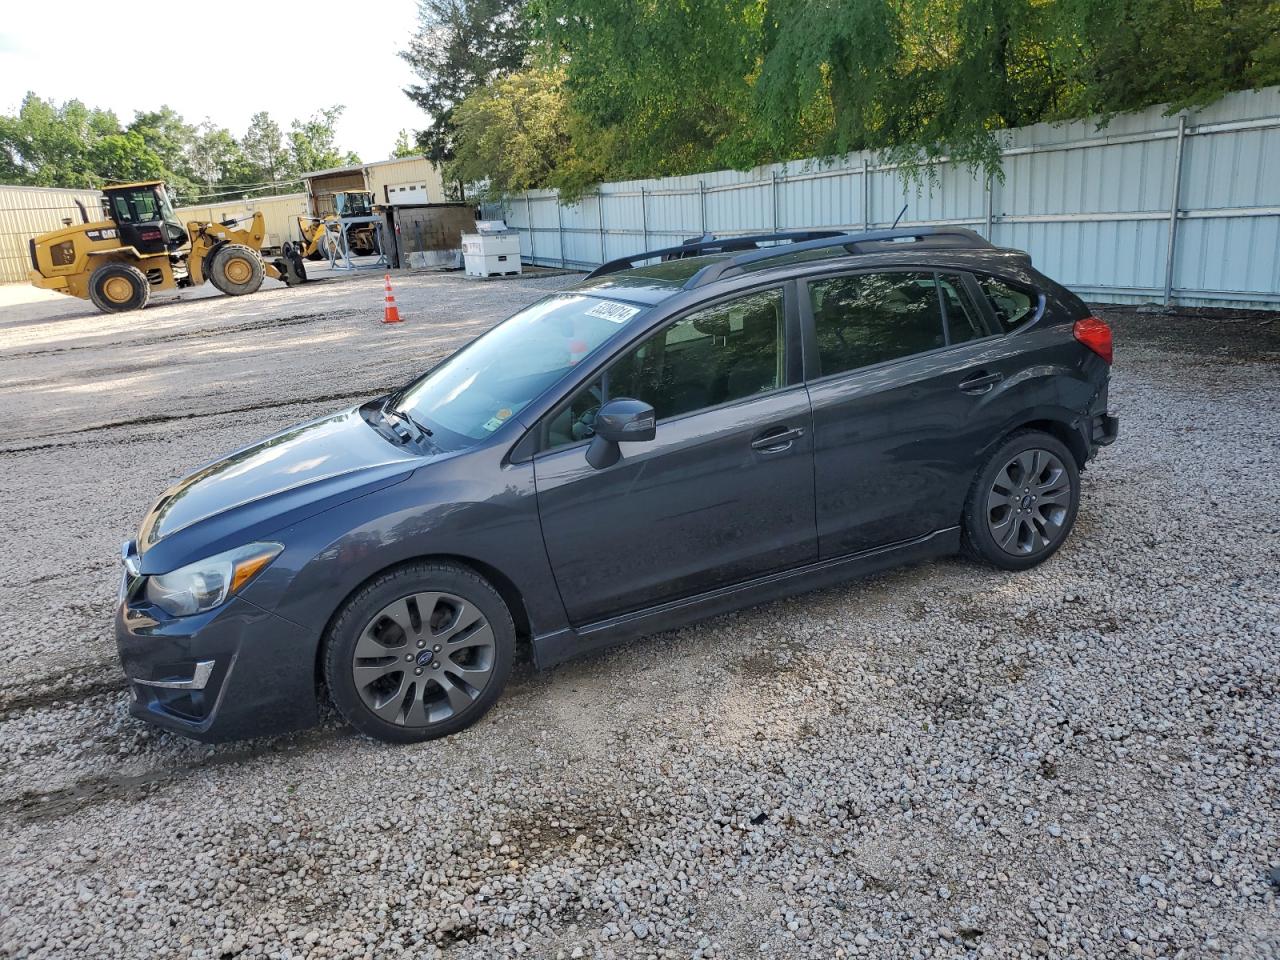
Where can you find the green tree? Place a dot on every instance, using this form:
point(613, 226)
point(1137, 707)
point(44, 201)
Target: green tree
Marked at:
point(49, 145)
point(312, 142)
point(169, 138)
point(906, 77)
point(405, 146)
point(519, 132)
point(125, 157)
point(267, 158)
point(217, 162)
point(684, 86)
point(670, 82)
point(1128, 54)
point(460, 46)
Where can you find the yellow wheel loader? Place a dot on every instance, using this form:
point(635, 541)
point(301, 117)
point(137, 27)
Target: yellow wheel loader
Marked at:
point(321, 236)
point(140, 246)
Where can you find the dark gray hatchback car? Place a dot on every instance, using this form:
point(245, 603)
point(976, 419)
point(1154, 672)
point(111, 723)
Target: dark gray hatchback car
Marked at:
point(739, 420)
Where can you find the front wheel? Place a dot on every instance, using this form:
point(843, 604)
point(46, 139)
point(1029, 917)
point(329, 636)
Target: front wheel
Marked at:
point(235, 269)
point(1023, 502)
point(419, 653)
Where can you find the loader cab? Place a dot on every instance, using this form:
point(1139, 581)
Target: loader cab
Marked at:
point(144, 216)
point(353, 203)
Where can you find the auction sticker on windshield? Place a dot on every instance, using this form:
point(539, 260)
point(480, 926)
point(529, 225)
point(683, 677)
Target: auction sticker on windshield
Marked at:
point(613, 312)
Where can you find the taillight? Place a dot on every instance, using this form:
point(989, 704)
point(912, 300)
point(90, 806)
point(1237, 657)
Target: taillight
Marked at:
point(1096, 335)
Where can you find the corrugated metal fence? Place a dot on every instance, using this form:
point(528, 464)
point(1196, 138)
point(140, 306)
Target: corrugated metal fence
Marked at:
point(1182, 209)
point(28, 211)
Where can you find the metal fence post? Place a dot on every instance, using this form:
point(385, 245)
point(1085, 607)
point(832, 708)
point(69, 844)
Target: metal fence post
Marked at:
point(702, 207)
point(600, 218)
point(1173, 209)
point(866, 194)
point(528, 219)
point(644, 220)
point(989, 203)
point(773, 197)
point(560, 228)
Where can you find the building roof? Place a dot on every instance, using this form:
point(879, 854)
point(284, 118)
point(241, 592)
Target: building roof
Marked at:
point(360, 167)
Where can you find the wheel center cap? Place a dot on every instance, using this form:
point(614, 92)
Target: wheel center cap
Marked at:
point(1026, 502)
point(424, 658)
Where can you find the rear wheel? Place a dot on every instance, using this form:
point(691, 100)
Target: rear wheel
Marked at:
point(116, 287)
point(419, 653)
point(329, 248)
point(1023, 503)
point(235, 269)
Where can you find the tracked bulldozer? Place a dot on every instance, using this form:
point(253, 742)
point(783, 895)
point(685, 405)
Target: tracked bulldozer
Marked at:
point(139, 246)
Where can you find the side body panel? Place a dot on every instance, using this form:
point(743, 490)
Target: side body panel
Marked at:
point(693, 509)
point(897, 444)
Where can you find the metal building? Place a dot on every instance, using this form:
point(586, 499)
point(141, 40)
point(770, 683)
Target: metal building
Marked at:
point(403, 182)
point(26, 212)
point(280, 213)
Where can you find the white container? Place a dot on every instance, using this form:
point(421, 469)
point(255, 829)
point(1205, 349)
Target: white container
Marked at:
point(494, 254)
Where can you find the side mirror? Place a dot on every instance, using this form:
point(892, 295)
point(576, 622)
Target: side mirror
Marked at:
point(619, 421)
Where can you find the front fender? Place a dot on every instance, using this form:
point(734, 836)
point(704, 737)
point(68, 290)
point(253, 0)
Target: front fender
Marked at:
point(444, 509)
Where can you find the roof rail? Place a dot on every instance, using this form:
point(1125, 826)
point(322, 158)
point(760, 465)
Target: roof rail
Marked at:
point(711, 244)
point(870, 241)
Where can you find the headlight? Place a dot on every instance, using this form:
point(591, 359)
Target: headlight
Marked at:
point(202, 585)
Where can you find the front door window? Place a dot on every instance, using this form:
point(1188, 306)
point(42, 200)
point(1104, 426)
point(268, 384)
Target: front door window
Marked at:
point(718, 355)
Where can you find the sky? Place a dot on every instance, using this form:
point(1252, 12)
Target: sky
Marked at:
point(222, 61)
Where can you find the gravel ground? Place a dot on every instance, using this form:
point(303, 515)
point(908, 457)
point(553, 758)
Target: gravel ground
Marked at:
point(1080, 761)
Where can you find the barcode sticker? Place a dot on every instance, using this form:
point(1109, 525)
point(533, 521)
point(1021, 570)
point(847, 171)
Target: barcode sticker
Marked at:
point(613, 312)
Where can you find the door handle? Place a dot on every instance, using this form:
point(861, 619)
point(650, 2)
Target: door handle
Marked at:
point(981, 382)
point(777, 439)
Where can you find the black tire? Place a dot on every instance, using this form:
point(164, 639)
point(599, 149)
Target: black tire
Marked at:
point(295, 266)
point(1023, 502)
point(236, 269)
point(117, 287)
point(352, 630)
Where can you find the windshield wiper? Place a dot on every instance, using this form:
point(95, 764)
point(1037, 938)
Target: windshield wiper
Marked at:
point(392, 415)
point(425, 431)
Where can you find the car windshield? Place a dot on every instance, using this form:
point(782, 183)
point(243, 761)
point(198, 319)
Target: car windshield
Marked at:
point(473, 393)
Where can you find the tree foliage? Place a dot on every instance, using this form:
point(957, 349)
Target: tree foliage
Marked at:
point(312, 143)
point(71, 145)
point(520, 133)
point(460, 46)
point(266, 156)
point(406, 145)
point(654, 88)
point(48, 145)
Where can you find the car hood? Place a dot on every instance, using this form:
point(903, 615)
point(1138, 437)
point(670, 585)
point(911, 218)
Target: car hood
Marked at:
point(312, 463)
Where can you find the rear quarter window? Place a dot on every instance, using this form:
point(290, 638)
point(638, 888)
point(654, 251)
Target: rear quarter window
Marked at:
point(1013, 305)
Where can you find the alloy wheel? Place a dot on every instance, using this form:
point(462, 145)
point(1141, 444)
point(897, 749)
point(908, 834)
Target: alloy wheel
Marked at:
point(423, 659)
point(1028, 503)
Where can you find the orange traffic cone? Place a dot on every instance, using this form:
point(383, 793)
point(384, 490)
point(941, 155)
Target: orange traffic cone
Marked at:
point(390, 314)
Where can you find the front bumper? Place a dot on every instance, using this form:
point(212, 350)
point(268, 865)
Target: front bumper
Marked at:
point(234, 672)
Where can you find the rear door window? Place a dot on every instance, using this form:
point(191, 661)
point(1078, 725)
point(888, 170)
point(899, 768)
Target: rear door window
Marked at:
point(963, 321)
point(868, 318)
point(1013, 305)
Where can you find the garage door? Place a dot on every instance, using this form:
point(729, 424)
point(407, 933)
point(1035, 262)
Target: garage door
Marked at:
point(402, 193)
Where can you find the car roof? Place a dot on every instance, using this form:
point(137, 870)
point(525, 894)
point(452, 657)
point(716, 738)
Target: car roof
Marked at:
point(649, 284)
point(701, 263)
